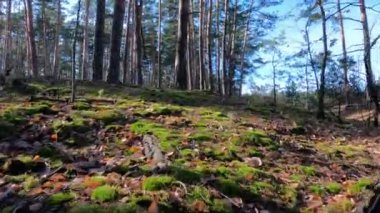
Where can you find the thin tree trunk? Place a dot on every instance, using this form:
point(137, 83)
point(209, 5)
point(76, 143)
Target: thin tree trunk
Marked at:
point(99, 40)
point(345, 60)
point(8, 42)
point(189, 60)
point(274, 71)
point(159, 46)
point(231, 73)
point(138, 42)
point(321, 93)
point(85, 42)
point(73, 66)
point(201, 48)
point(117, 33)
point(192, 82)
point(47, 70)
point(244, 47)
point(312, 64)
point(127, 43)
point(224, 48)
point(30, 33)
point(209, 46)
point(180, 59)
point(56, 57)
point(368, 63)
point(218, 49)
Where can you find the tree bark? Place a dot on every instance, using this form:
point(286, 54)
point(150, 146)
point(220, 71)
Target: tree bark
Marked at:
point(180, 59)
point(368, 63)
point(224, 48)
point(47, 70)
point(345, 59)
point(231, 73)
point(138, 42)
point(85, 42)
point(244, 47)
point(209, 47)
point(117, 33)
point(8, 41)
point(98, 43)
point(201, 47)
point(321, 93)
point(218, 49)
point(73, 65)
point(127, 44)
point(31, 40)
point(159, 85)
point(56, 57)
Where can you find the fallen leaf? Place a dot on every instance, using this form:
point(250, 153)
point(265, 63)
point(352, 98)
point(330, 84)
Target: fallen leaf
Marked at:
point(199, 206)
point(54, 137)
point(153, 208)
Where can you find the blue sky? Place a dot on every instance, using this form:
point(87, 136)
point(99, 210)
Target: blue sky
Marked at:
point(291, 27)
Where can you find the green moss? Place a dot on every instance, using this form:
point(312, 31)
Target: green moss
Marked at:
point(316, 189)
point(223, 171)
point(289, 195)
point(13, 116)
point(343, 206)
point(76, 123)
point(200, 193)
point(255, 137)
point(220, 206)
point(154, 183)
point(163, 110)
point(81, 105)
point(258, 187)
point(104, 193)
point(107, 116)
point(186, 152)
point(359, 186)
point(61, 197)
point(309, 170)
point(201, 136)
point(30, 182)
point(15, 179)
point(229, 187)
point(333, 187)
point(243, 170)
point(185, 175)
point(296, 178)
point(169, 138)
point(41, 108)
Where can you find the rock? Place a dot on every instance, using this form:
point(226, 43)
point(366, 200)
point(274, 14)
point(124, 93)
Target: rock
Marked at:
point(253, 161)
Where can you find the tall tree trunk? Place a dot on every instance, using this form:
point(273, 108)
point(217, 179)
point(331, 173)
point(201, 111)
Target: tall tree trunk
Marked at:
point(8, 41)
point(231, 73)
point(372, 90)
point(127, 44)
point(180, 58)
point(345, 60)
point(244, 47)
point(218, 49)
point(138, 42)
point(224, 48)
point(201, 48)
point(193, 81)
point(274, 71)
point(189, 59)
point(117, 33)
point(47, 70)
point(159, 85)
point(31, 41)
point(97, 65)
point(312, 63)
point(56, 57)
point(321, 93)
point(74, 49)
point(209, 45)
point(85, 41)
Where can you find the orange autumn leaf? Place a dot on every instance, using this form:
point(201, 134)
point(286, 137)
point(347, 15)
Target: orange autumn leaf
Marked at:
point(57, 178)
point(54, 137)
point(37, 157)
point(153, 208)
point(199, 206)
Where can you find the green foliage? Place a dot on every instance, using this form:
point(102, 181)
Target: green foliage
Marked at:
point(221, 206)
point(81, 105)
point(30, 182)
point(258, 187)
point(255, 137)
point(360, 185)
point(229, 187)
point(316, 189)
point(333, 187)
point(185, 175)
point(61, 197)
point(169, 138)
point(104, 193)
point(107, 116)
point(340, 206)
point(155, 183)
point(309, 170)
point(200, 193)
point(201, 136)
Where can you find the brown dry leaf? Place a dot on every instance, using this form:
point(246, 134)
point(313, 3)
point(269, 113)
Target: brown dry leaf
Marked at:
point(199, 206)
point(58, 187)
point(36, 158)
point(113, 178)
point(153, 208)
point(57, 178)
point(54, 137)
point(35, 192)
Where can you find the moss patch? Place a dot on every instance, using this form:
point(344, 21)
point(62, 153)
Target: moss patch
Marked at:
point(155, 183)
point(61, 197)
point(333, 187)
point(104, 193)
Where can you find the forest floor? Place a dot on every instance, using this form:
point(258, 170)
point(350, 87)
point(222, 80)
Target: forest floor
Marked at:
point(218, 155)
